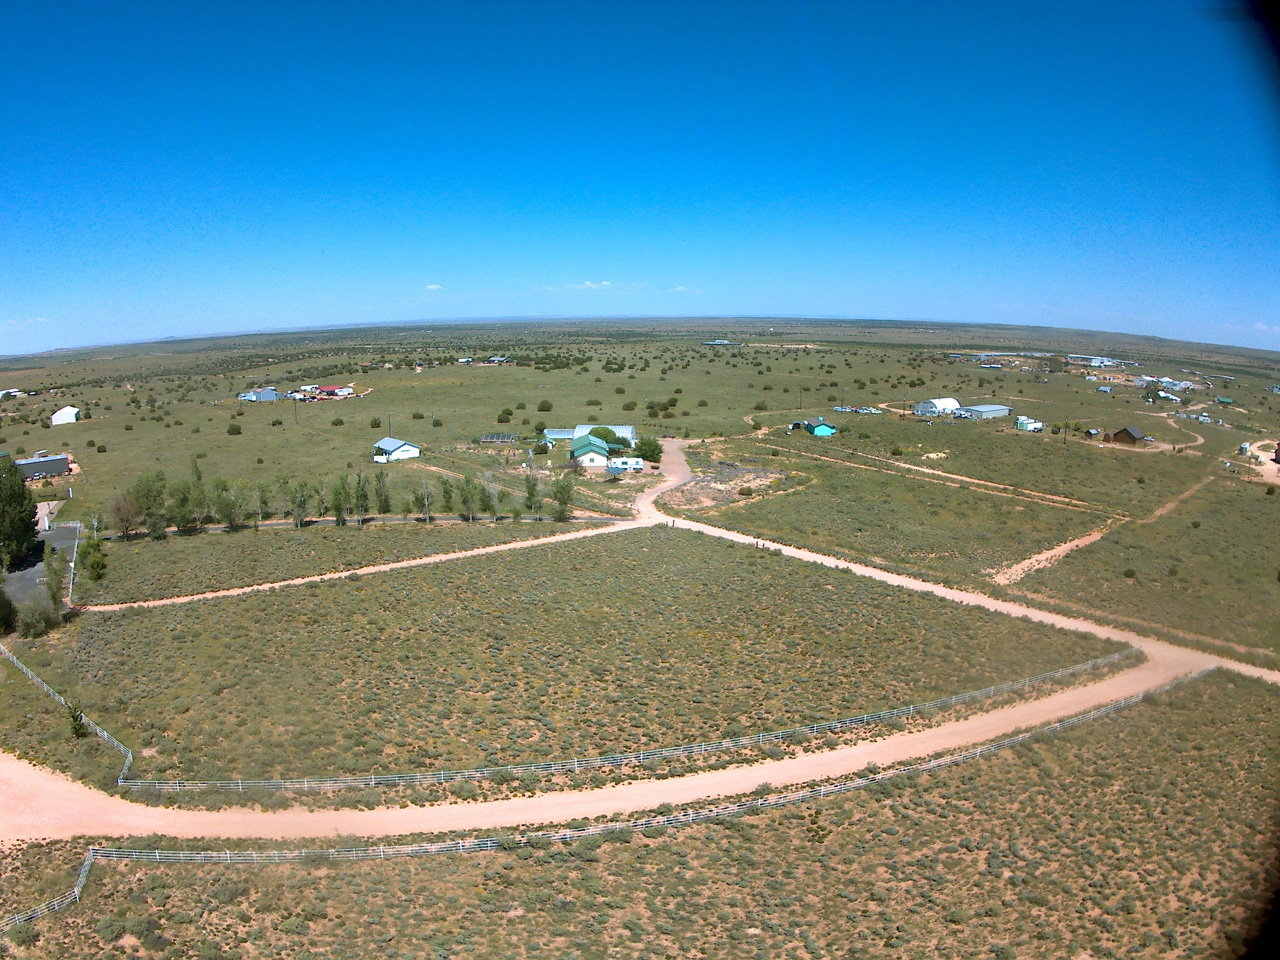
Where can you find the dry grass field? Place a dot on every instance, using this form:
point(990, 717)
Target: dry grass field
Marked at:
point(519, 657)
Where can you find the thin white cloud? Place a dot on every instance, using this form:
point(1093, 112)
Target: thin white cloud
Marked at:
point(587, 285)
point(432, 286)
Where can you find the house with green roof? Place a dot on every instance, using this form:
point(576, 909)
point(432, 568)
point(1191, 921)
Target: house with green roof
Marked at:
point(589, 451)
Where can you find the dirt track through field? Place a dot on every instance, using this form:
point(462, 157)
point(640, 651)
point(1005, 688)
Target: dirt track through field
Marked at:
point(1047, 558)
point(39, 803)
point(1042, 561)
point(955, 480)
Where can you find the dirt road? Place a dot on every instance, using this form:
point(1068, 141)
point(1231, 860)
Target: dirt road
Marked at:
point(1041, 561)
point(39, 803)
point(1047, 558)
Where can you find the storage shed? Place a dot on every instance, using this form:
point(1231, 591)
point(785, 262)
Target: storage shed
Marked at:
point(64, 416)
point(986, 411)
point(389, 448)
point(1127, 435)
point(937, 407)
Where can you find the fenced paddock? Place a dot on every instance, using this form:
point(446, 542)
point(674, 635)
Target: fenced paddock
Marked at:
point(577, 764)
point(482, 844)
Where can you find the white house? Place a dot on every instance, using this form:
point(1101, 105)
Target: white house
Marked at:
point(65, 415)
point(634, 464)
point(937, 407)
point(389, 448)
point(985, 411)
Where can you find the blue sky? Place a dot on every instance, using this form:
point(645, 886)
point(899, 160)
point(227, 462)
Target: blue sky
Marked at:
point(178, 169)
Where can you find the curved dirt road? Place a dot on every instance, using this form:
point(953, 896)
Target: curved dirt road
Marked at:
point(39, 803)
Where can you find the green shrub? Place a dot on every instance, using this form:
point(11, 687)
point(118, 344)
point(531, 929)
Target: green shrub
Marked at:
point(109, 929)
point(233, 429)
point(140, 927)
point(37, 618)
point(336, 422)
point(375, 423)
point(1130, 573)
point(465, 790)
point(23, 935)
point(544, 406)
point(8, 613)
point(417, 415)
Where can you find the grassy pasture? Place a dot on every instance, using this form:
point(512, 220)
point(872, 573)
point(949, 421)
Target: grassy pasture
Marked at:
point(1209, 566)
point(1101, 476)
point(193, 387)
point(147, 570)
point(1149, 834)
point(908, 523)
point(621, 642)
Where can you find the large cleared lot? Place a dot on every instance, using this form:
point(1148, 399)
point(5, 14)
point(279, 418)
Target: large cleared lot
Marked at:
point(645, 638)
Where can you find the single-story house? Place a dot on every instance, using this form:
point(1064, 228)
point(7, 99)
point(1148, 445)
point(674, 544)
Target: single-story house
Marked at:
point(937, 407)
point(1104, 389)
point(624, 431)
point(464, 359)
point(65, 415)
point(261, 395)
point(634, 464)
point(817, 426)
point(389, 448)
point(589, 451)
point(1129, 435)
point(985, 411)
point(1225, 401)
point(499, 360)
point(38, 467)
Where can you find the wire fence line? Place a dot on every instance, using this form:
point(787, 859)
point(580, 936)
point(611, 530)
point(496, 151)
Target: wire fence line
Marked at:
point(515, 841)
point(577, 764)
point(97, 730)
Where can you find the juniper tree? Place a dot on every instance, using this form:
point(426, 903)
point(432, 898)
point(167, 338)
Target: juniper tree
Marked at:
point(18, 535)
